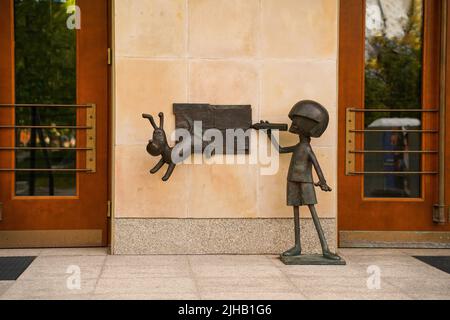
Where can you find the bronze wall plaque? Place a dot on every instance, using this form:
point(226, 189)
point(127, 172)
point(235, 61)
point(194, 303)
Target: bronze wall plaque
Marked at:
point(222, 118)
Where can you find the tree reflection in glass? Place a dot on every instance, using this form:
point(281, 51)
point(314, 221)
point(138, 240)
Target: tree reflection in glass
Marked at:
point(45, 73)
point(393, 80)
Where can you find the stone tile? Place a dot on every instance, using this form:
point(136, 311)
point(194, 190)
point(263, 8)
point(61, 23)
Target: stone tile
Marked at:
point(219, 191)
point(48, 289)
point(223, 28)
point(20, 252)
point(323, 271)
point(215, 236)
point(231, 236)
point(145, 286)
point(57, 297)
point(66, 261)
point(58, 272)
point(380, 260)
point(421, 286)
point(432, 297)
point(239, 271)
point(416, 272)
point(147, 86)
point(143, 260)
point(300, 29)
point(142, 195)
point(4, 286)
point(75, 252)
point(426, 252)
point(371, 252)
point(257, 296)
point(244, 285)
point(59, 268)
point(226, 278)
point(150, 28)
point(229, 261)
point(286, 83)
point(80, 297)
point(213, 81)
point(145, 271)
point(316, 295)
point(150, 236)
point(144, 297)
point(311, 286)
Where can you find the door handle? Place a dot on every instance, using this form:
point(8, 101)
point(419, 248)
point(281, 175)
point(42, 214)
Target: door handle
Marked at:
point(350, 142)
point(351, 133)
point(1, 211)
point(91, 135)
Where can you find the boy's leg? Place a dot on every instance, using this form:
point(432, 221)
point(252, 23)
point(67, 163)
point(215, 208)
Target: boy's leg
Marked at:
point(323, 241)
point(297, 250)
point(298, 242)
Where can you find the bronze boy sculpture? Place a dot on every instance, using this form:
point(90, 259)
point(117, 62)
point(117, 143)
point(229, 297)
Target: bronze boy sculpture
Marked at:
point(309, 119)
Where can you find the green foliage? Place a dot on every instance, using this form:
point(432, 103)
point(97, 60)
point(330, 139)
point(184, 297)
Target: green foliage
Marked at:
point(394, 70)
point(45, 73)
point(45, 58)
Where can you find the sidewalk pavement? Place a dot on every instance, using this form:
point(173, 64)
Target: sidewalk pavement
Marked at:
point(55, 274)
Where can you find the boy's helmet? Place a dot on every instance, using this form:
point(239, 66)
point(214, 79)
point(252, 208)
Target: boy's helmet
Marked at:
point(314, 111)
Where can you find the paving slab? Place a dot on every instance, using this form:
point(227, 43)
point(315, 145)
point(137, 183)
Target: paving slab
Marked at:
point(325, 271)
point(145, 286)
point(382, 260)
point(371, 252)
point(4, 286)
point(145, 297)
point(48, 289)
point(49, 272)
point(105, 277)
point(147, 261)
point(253, 296)
point(20, 252)
point(145, 271)
point(245, 285)
point(66, 261)
point(208, 271)
point(334, 286)
point(317, 295)
point(421, 286)
point(75, 252)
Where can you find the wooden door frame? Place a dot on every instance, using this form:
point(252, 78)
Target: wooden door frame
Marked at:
point(447, 110)
point(7, 78)
point(7, 96)
point(353, 12)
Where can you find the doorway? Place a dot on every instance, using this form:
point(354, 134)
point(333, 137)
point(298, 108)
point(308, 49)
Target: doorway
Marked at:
point(54, 122)
point(389, 98)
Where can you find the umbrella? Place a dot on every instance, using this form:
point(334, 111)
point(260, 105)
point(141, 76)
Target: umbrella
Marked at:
point(395, 122)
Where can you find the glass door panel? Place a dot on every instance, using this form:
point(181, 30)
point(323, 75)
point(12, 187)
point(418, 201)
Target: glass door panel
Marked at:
point(45, 73)
point(393, 85)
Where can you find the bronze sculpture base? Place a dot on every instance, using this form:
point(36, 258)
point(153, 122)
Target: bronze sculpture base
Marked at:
point(311, 260)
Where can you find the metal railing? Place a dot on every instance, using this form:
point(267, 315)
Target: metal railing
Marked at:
point(351, 138)
point(90, 129)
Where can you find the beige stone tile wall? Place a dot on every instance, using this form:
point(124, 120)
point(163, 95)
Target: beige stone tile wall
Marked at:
point(267, 53)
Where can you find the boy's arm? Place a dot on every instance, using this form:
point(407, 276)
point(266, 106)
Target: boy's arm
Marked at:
point(322, 181)
point(277, 146)
point(265, 125)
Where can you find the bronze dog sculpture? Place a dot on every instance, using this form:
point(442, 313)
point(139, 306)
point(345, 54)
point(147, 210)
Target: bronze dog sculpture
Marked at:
point(159, 146)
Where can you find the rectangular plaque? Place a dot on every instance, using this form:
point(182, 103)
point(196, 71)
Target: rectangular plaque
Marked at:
point(222, 118)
